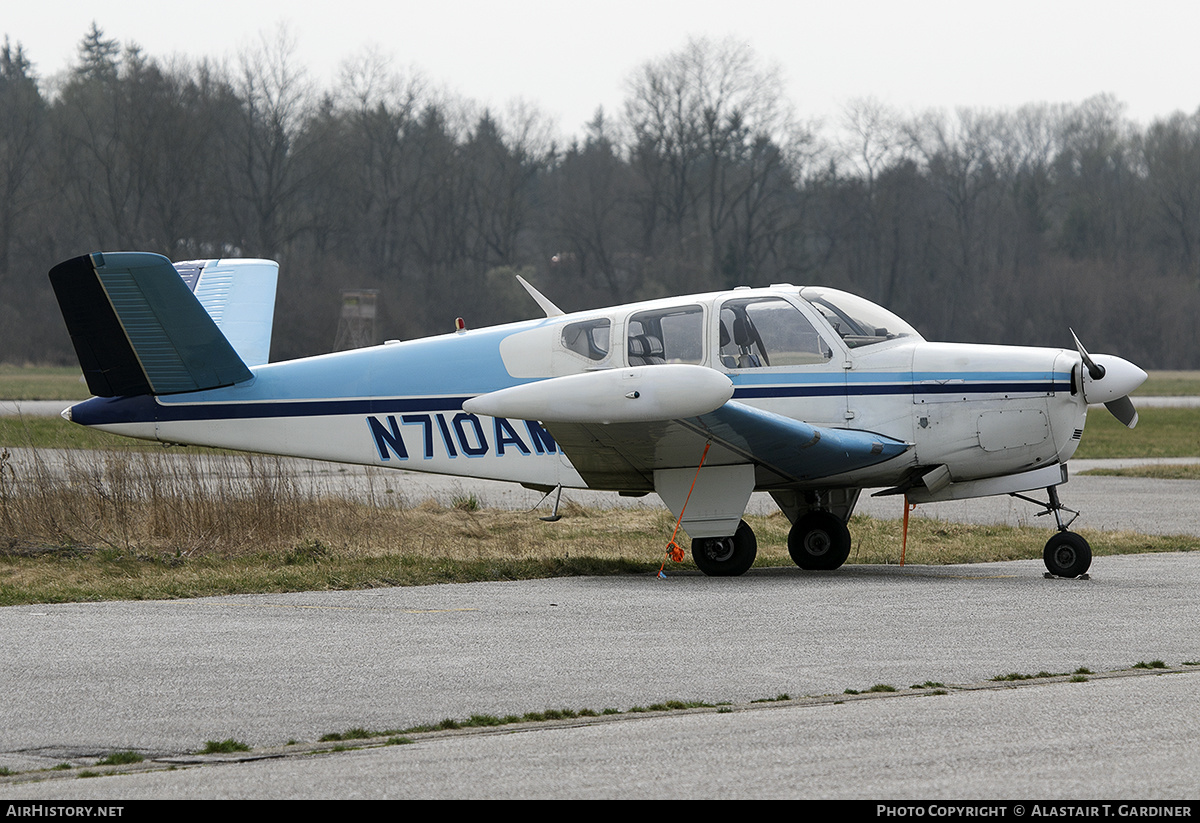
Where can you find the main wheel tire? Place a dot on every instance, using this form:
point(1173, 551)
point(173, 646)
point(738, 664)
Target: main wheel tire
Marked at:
point(1067, 555)
point(726, 556)
point(819, 541)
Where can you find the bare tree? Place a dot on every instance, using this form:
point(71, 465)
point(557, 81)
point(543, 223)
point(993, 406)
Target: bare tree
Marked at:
point(264, 180)
point(1171, 149)
point(702, 121)
point(22, 129)
point(593, 229)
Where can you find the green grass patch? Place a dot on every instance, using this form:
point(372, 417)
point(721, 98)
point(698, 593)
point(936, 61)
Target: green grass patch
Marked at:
point(1170, 384)
point(1019, 676)
point(1168, 471)
point(478, 721)
point(41, 383)
point(56, 433)
point(357, 733)
point(779, 698)
point(1160, 432)
point(120, 759)
point(405, 736)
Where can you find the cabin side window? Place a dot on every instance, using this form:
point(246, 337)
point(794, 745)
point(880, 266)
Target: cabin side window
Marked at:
point(768, 331)
point(589, 338)
point(673, 335)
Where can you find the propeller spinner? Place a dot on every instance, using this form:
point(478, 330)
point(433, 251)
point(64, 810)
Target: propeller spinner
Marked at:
point(1109, 379)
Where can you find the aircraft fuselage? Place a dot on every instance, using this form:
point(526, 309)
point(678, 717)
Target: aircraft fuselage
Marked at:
point(979, 410)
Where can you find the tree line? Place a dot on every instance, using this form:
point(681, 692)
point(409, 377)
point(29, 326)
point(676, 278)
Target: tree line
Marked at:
point(987, 226)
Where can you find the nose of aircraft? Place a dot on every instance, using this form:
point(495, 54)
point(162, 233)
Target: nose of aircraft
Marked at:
point(1109, 380)
point(1119, 377)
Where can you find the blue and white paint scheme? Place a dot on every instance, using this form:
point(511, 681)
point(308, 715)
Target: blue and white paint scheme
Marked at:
point(809, 393)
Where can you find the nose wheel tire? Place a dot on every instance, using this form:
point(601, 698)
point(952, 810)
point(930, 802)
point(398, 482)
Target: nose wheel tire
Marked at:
point(819, 541)
point(1067, 555)
point(726, 556)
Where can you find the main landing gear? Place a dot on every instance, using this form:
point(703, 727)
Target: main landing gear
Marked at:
point(818, 541)
point(726, 556)
point(1066, 553)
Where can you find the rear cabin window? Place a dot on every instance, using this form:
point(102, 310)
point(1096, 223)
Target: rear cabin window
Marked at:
point(589, 338)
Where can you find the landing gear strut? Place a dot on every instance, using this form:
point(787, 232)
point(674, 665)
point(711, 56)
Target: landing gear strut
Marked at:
point(1066, 553)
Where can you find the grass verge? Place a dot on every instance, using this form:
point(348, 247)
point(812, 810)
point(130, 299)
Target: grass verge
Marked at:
point(1160, 432)
point(41, 383)
point(100, 540)
point(56, 433)
point(1184, 471)
point(1170, 384)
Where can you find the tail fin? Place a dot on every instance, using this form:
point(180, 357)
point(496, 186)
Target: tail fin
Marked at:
point(138, 329)
point(239, 295)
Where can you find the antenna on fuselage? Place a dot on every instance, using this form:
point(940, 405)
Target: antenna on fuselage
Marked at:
point(549, 308)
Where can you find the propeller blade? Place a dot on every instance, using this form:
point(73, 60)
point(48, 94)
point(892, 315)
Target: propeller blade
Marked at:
point(1122, 409)
point(1094, 368)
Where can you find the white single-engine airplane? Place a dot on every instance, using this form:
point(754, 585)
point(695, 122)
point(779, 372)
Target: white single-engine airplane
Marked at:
point(808, 393)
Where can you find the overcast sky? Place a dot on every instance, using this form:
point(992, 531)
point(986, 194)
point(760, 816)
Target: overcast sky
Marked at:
point(568, 57)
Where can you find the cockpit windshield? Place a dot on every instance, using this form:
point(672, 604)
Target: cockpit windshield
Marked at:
point(858, 321)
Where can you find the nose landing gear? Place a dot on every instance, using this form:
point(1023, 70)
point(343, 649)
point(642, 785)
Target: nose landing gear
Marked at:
point(1066, 553)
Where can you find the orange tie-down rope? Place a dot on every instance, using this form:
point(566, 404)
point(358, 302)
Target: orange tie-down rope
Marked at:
point(908, 507)
point(674, 550)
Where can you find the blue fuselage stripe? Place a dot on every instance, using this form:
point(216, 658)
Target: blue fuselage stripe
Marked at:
point(145, 408)
point(762, 392)
point(308, 408)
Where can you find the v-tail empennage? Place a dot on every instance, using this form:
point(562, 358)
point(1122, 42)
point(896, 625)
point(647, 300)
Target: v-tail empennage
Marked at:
point(138, 328)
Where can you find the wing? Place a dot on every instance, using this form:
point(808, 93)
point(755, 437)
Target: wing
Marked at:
point(620, 426)
point(782, 450)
